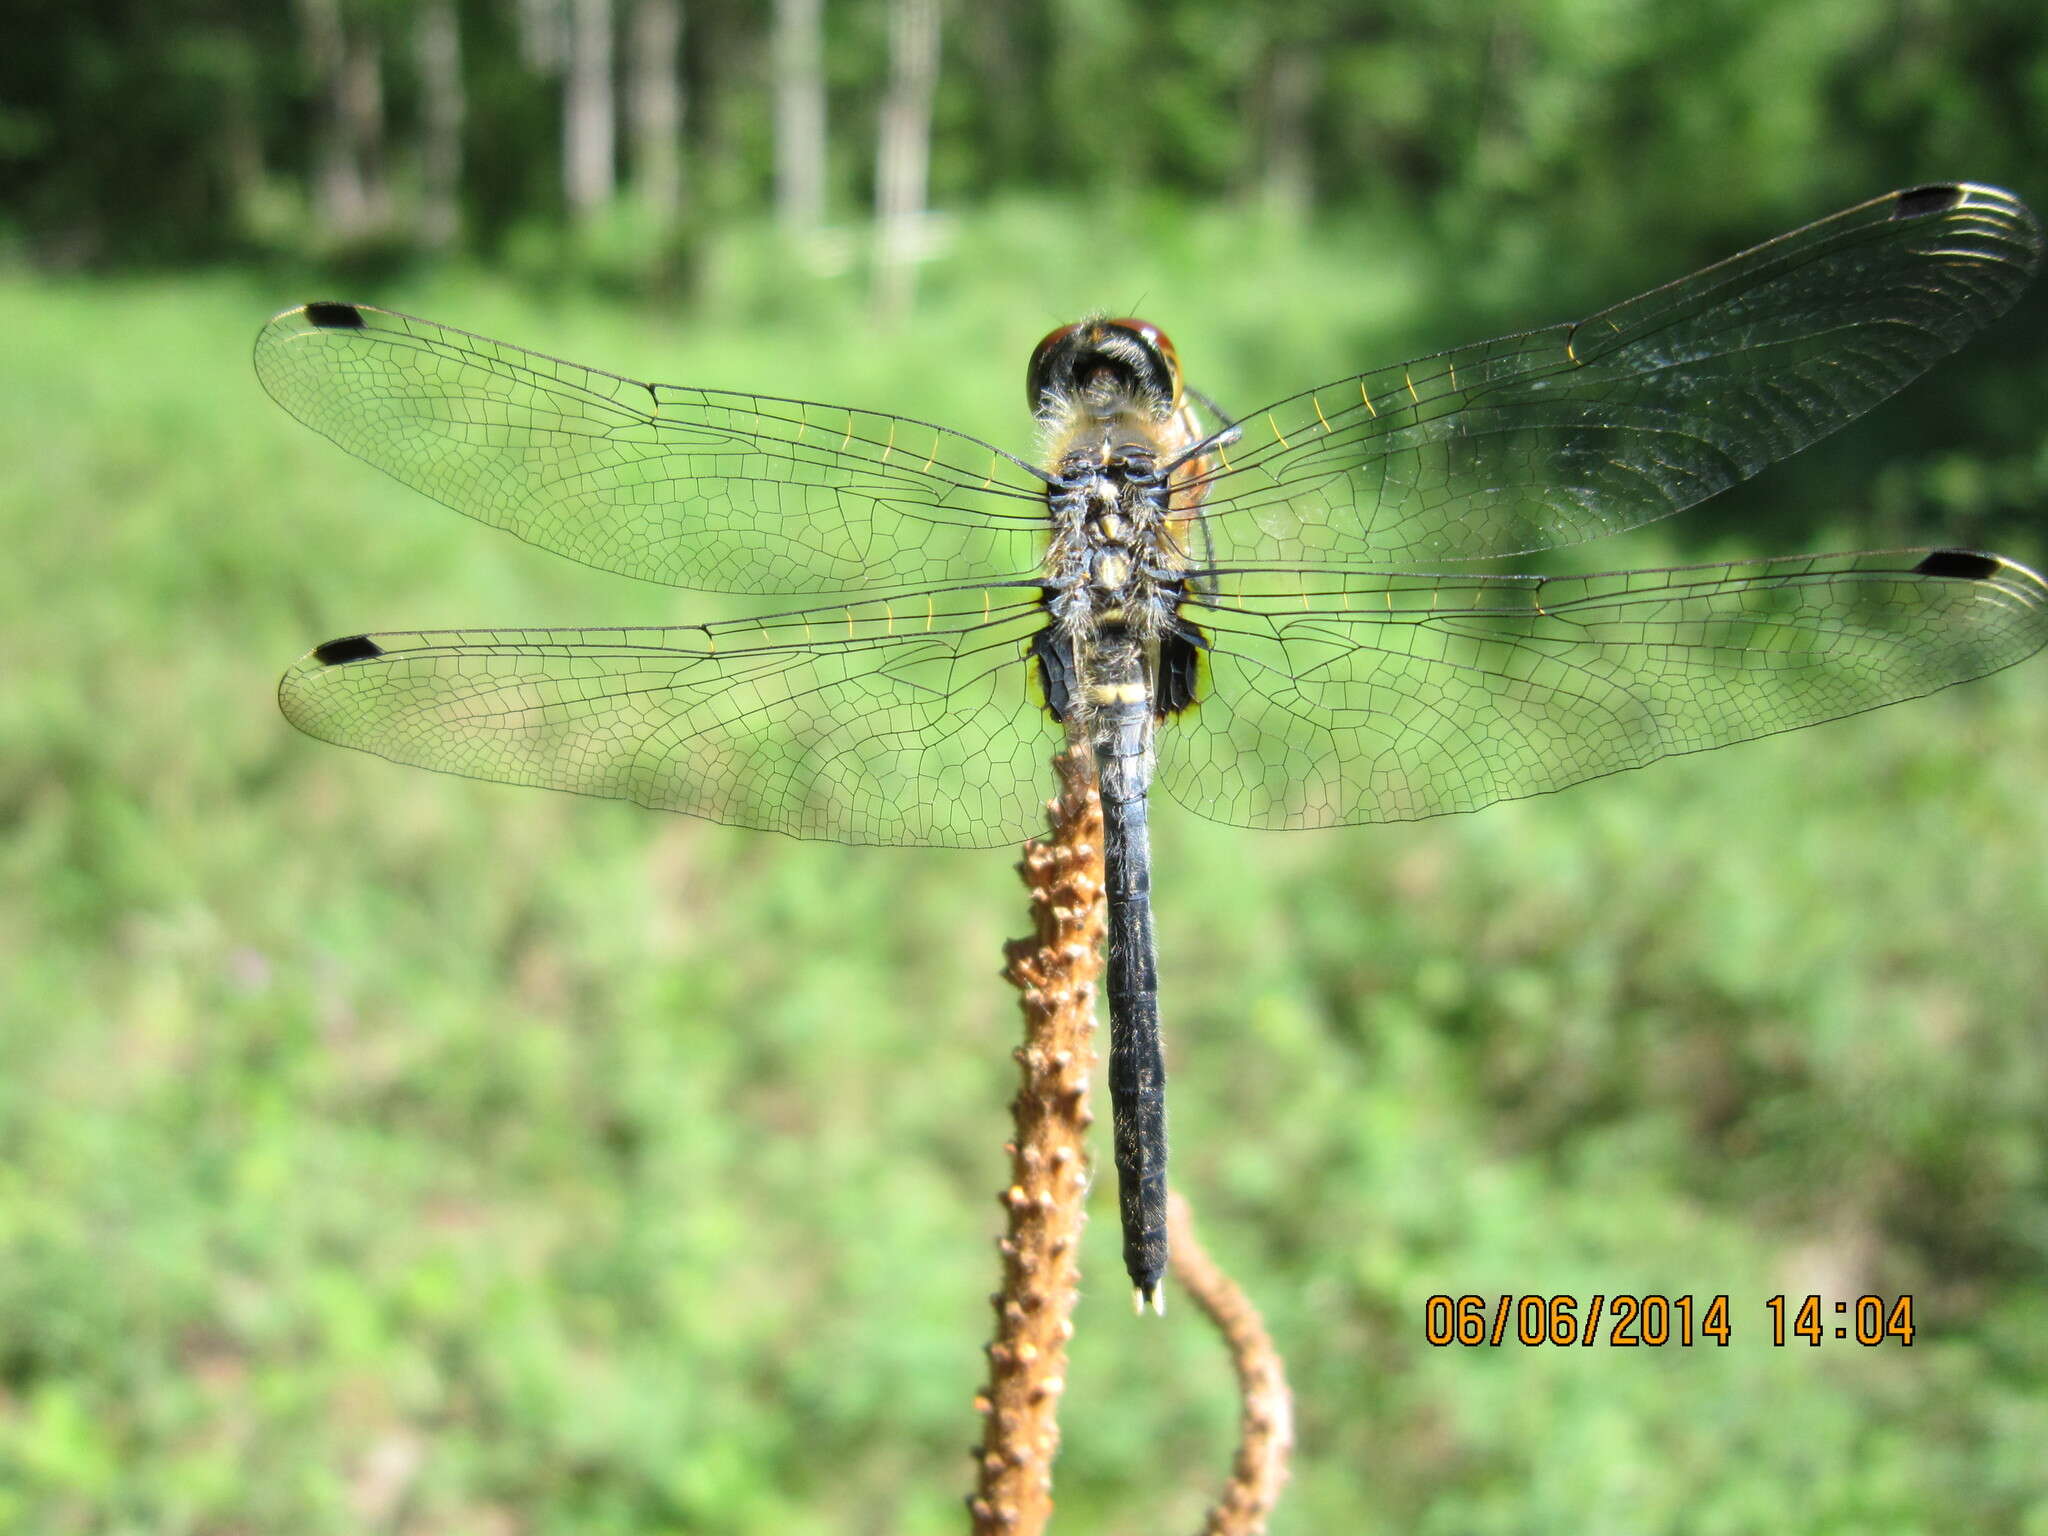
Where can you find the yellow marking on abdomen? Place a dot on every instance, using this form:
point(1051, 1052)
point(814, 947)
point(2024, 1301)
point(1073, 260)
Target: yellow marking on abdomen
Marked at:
point(1276, 430)
point(1118, 693)
point(1312, 400)
point(1411, 387)
point(1370, 409)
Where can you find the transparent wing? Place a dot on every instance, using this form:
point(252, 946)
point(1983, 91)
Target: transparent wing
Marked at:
point(913, 721)
point(1332, 700)
point(690, 487)
point(1562, 435)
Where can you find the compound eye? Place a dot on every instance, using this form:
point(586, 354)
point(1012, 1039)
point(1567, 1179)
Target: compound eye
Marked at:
point(1149, 333)
point(1034, 375)
point(1160, 343)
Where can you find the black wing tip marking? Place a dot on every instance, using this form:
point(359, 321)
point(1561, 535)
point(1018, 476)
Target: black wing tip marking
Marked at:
point(336, 653)
point(1918, 202)
point(335, 317)
point(1960, 564)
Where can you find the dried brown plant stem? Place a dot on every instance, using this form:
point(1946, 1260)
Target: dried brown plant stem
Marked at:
point(1266, 1407)
point(1055, 972)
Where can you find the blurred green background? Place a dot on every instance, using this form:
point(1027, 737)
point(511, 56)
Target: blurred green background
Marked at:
point(388, 1152)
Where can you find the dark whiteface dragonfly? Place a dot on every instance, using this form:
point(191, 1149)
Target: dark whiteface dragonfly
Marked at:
point(1302, 619)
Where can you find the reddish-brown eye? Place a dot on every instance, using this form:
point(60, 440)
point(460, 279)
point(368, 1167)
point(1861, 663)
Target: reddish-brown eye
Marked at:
point(1053, 338)
point(1159, 340)
point(1056, 361)
point(1034, 376)
point(1147, 330)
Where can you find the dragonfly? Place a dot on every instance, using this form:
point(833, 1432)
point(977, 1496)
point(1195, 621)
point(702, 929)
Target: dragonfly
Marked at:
point(1312, 615)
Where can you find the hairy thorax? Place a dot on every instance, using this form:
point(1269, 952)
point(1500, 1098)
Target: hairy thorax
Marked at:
point(1115, 436)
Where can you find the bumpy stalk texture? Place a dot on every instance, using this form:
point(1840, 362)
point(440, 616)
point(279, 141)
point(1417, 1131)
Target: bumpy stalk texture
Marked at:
point(1266, 1408)
point(1055, 971)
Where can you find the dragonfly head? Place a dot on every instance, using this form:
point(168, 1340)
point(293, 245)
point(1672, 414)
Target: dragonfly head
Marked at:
point(1104, 368)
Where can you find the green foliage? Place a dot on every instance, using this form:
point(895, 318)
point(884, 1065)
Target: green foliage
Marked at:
point(380, 1150)
point(384, 1151)
point(162, 133)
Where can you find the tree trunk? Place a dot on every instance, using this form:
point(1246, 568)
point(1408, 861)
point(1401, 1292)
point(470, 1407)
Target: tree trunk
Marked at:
point(1287, 186)
point(439, 45)
point(364, 88)
point(799, 116)
point(350, 199)
point(655, 105)
point(337, 186)
point(903, 155)
point(589, 111)
point(243, 174)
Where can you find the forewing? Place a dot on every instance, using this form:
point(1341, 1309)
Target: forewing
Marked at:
point(1400, 696)
point(914, 721)
point(691, 487)
point(1566, 434)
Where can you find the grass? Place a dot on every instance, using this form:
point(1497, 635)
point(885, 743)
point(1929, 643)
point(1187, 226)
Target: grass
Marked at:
point(387, 1151)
